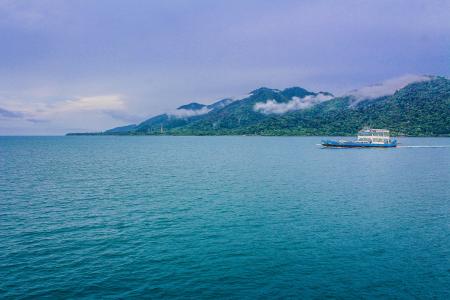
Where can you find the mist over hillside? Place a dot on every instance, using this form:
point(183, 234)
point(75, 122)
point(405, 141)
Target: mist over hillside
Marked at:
point(409, 105)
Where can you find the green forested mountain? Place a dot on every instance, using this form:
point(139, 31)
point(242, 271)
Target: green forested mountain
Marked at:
point(420, 109)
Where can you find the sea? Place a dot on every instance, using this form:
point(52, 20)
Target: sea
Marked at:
point(238, 217)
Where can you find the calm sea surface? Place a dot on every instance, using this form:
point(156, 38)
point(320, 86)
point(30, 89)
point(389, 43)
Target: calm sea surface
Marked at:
point(222, 217)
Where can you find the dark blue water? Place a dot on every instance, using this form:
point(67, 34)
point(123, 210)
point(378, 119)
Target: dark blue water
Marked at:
point(222, 217)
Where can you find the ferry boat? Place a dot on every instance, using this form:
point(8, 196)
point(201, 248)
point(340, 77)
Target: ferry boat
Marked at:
point(366, 138)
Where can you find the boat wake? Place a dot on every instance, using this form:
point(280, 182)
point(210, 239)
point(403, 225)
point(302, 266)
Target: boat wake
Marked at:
point(424, 146)
point(415, 146)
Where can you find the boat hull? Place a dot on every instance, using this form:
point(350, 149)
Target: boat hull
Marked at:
point(349, 144)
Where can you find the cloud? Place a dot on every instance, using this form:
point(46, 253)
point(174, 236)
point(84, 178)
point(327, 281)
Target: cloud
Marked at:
point(241, 97)
point(89, 113)
point(30, 14)
point(187, 113)
point(274, 107)
point(103, 102)
point(387, 87)
point(37, 121)
point(5, 113)
point(112, 105)
point(123, 116)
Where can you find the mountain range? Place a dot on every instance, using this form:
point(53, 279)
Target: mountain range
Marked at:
point(417, 108)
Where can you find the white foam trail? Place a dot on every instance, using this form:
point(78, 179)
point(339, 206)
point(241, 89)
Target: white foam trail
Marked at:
point(418, 146)
point(422, 146)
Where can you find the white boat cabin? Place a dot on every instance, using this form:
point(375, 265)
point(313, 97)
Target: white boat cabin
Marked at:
point(374, 136)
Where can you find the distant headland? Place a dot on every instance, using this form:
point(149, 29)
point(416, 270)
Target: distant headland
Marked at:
point(420, 108)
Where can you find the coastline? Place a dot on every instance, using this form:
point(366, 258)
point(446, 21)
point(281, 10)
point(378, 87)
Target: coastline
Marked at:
point(262, 135)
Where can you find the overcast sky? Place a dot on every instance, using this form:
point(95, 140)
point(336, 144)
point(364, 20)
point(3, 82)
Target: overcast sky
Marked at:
point(91, 65)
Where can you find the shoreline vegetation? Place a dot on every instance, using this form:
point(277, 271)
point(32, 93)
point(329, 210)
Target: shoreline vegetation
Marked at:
point(249, 135)
point(420, 109)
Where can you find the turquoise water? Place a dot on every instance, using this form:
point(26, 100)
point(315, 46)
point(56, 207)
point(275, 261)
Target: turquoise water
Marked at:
point(222, 217)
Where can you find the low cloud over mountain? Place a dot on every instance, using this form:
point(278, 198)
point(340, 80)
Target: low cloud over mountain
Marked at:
point(297, 103)
point(415, 105)
point(187, 113)
point(387, 87)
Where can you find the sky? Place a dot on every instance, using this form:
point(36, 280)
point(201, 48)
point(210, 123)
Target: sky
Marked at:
point(82, 65)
